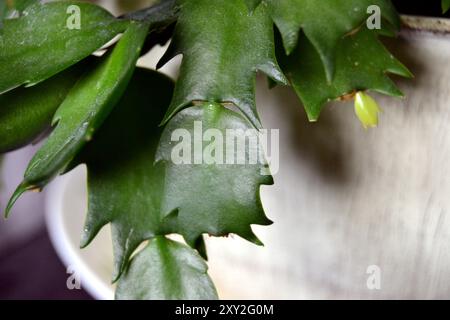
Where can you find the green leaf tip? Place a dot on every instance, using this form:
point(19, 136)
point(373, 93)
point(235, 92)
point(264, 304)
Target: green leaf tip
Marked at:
point(20, 190)
point(200, 246)
point(445, 6)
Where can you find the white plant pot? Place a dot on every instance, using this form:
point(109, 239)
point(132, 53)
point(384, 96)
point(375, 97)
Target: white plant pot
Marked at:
point(344, 199)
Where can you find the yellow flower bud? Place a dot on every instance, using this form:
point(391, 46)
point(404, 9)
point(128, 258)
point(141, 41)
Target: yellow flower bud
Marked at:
point(367, 109)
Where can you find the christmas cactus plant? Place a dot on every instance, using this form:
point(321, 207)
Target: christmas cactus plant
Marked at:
point(68, 76)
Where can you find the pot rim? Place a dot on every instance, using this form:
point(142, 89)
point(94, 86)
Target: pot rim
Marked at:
point(425, 25)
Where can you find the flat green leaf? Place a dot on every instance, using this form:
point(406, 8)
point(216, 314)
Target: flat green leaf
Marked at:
point(166, 270)
point(223, 45)
point(27, 112)
point(212, 196)
point(40, 44)
point(84, 109)
point(445, 5)
point(324, 22)
point(125, 188)
point(362, 63)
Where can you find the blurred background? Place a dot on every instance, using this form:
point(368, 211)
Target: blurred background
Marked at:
point(29, 265)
